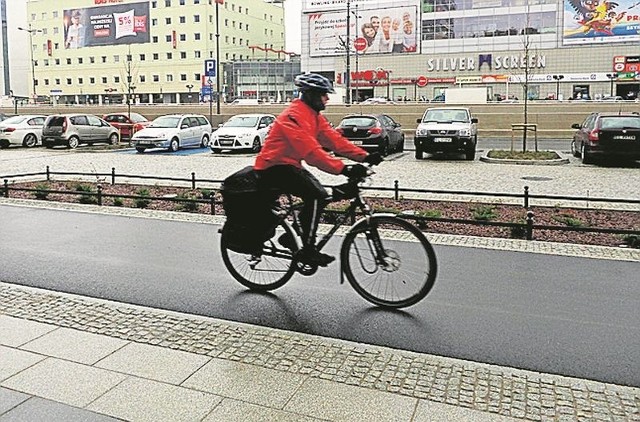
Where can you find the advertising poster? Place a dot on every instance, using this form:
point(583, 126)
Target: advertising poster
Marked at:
point(391, 30)
point(600, 21)
point(106, 25)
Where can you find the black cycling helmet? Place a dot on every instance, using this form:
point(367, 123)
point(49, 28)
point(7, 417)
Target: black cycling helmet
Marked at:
point(313, 81)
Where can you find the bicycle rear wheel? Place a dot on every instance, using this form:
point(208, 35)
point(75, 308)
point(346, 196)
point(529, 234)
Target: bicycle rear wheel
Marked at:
point(408, 269)
point(273, 270)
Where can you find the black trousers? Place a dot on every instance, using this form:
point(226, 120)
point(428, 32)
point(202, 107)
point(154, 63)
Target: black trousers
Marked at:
point(300, 183)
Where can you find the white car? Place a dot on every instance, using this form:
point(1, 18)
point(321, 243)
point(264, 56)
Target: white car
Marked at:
point(25, 130)
point(242, 131)
point(173, 131)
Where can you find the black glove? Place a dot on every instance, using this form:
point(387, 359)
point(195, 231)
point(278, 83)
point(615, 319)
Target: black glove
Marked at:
point(374, 158)
point(354, 171)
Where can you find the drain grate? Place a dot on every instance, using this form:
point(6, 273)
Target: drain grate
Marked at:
point(537, 178)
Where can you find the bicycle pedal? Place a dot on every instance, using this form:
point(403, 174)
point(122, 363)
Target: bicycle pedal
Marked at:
point(253, 261)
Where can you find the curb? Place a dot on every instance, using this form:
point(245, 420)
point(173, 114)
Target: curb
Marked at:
point(554, 162)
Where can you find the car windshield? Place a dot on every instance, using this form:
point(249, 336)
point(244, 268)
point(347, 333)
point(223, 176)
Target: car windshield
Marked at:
point(136, 118)
point(241, 121)
point(358, 121)
point(166, 121)
point(446, 116)
point(620, 122)
point(14, 120)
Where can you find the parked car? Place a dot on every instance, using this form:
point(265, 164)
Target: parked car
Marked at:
point(127, 123)
point(242, 131)
point(75, 129)
point(377, 100)
point(446, 130)
point(373, 132)
point(173, 131)
point(4, 116)
point(612, 98)
point(25, 130)
point(607, 135)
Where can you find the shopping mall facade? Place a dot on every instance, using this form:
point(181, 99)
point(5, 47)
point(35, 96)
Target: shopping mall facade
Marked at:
point(417, 48)
point(155, 51)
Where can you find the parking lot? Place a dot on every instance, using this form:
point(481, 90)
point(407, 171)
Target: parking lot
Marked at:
point(438, 173)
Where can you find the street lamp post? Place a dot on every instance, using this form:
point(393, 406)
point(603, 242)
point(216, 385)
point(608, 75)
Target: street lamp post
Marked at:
point(31, 31)
point(218, 2)
point(355, 14)
point(557, 78)
point(347, 76)
point(612, 77)
point(189, 87)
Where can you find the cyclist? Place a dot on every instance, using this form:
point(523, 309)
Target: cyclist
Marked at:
point(301, 133)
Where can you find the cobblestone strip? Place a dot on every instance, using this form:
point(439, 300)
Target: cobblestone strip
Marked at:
point(509, 392)
point(550, 248)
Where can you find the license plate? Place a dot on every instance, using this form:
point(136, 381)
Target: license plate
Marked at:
point(357, 142)
point(441, 139)
point(625, 137)
point(226, 142)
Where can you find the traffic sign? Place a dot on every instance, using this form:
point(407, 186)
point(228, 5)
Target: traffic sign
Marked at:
point(210, 67)
point(421, 81)
point(360, 44)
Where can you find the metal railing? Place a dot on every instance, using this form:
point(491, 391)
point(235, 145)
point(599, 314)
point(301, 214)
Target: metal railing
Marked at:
point(519, 229)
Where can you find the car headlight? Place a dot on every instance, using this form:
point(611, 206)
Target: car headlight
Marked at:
point(465, 132)
point(421, 132)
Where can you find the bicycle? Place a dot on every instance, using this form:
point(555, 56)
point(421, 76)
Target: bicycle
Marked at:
point(378, 254)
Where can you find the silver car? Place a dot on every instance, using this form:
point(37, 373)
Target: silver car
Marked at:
point(75, 129)
point(173, 131)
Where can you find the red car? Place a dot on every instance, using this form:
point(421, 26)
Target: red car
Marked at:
point(127, 123)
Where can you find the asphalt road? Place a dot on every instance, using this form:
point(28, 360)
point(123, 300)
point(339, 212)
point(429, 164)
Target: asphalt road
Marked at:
point(570, 316)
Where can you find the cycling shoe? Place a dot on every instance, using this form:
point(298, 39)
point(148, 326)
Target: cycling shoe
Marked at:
point(311, 256)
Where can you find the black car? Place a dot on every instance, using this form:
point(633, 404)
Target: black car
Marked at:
point(607, 135)
point(373, 132)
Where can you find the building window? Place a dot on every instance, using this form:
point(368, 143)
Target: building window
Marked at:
point(240, 26)
point(196, 36)
point(143, 78)
point(183, 77)
point(156, 78)
point(169, 56)
point(196, 1)
point(55, 14)
point(79, 60)
point(183, 19)
point(239, 9)
point(104, 79)
point(226, 39)
point(80, 81)
point(92, 80)
point(116, 79)
point(226, 22)
point(46, 81)
point(183, 54)
point(68, 60)
point(56, 30)
point(196, 77)
point(167, 21)
point(247, 27)
point(154, 4)
point(167, 3)
point(46, 62)
point(156, 56)
point(182, 2)
point(57, 62)
point(183, 37)
point(154, 22)
point(92, 59)
point(196, 18)
point(69, 81)
point(197, 54)
point(154, 39)
point(168, 38)
point(116, 59)
point(142, 57)
point(234, 41)
point(169, 78)
point(57, 81)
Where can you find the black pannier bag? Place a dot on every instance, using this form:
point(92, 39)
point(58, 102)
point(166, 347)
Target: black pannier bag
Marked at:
point(250, 220)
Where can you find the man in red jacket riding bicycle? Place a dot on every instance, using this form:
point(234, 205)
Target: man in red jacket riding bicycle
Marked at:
point(301, 133)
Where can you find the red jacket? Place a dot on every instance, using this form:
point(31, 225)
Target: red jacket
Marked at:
point(300, 133)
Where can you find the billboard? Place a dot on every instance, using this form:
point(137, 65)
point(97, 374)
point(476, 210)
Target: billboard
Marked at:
point(375, 31)
point(600, 21)
point(106, 25)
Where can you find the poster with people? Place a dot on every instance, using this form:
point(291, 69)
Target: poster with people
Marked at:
point(391, 30)
point(601, 21)
point(106, 25)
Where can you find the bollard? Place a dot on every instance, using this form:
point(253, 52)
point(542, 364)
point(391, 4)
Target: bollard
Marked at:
point(6, 188)
point(529, 225)
point(396, 194)
point(213, 203)
point(193, 181)
point(526, 196)
point(100, 195)
point(113, 176)
point(48, 174)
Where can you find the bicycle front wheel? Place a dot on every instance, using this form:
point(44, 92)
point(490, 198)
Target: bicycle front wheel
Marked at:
point(389, 262)
point(267, 272)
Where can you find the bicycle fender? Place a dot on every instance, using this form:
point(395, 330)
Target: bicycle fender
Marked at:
point(364, 220)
